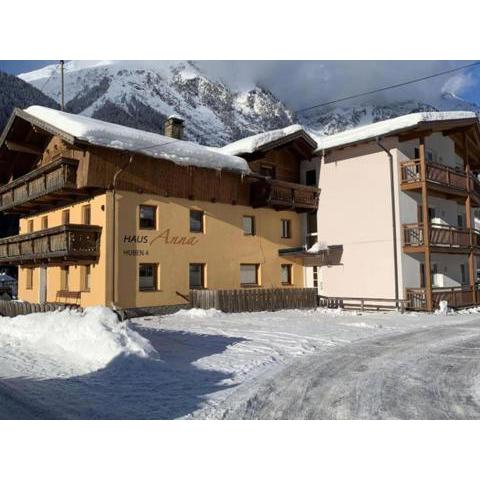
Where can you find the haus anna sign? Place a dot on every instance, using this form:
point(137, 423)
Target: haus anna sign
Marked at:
point(146, 241)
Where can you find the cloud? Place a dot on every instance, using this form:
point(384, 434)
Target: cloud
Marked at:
point(304, 83)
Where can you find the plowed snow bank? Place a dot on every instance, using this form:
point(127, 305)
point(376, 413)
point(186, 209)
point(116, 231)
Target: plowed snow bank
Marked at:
point(92, 337)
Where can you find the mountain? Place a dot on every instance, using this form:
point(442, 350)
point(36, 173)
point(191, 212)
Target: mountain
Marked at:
point(327, 121)
point(143, 95)
point(15, 92)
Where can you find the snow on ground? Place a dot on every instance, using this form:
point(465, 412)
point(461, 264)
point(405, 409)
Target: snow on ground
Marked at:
point(192, 364)
point(111, 135)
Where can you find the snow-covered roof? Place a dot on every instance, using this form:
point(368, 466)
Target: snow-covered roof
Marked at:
point(387, 127)
point(255, 142)
point(111, 135)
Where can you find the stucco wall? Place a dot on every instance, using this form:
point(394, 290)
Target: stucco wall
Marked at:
point(355, 211)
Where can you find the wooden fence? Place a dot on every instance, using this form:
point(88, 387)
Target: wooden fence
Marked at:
point(12, 309)
point(362, 304)
point(254, 299)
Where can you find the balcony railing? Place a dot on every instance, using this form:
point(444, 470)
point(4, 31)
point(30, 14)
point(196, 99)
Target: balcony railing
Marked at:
point(440, 236)
point(284, 195)
point(436, 173)
point(456, 297)
point(62, 244)
point(51, 179)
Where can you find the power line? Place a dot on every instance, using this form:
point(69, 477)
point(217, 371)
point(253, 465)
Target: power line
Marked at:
point(409, 82)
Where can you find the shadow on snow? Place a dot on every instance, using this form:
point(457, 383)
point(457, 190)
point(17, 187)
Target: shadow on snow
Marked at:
point(130, 387)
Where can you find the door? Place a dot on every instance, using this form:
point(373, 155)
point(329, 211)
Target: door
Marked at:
point(42, 285)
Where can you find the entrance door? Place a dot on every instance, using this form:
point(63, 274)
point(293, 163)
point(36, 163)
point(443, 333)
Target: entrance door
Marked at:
point(43, 285)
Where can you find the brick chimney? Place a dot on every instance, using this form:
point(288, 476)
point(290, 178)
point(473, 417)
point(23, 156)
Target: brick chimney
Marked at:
point(173, 127)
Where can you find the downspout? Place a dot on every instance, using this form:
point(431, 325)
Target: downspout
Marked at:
point(394, 217)
point(114, 226)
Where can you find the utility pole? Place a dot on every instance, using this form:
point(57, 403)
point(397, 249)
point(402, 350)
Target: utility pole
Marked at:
point(62, 104)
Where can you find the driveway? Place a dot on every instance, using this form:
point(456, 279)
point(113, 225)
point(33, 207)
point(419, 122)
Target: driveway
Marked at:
point(429, 373)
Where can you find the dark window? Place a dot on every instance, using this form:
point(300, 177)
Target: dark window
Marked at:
point(460, 221)
point(148, 214)
point(196, 221)
point(463, 272)
point(311, 222)
point(311, 177)
point(249, 225)
point(422, 275)
point(197, 275)
point(417, 153)
point(267, 171)
point(312, 240)
point(285, 229)
point(65, 217)
point(86, 215)
point(147, 276)
point(286, 274)
point(249, 274)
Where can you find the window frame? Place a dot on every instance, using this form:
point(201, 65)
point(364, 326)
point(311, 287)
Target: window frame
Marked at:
point(29, 279)
point(30, 224)
point(257, 275)
point(253, 226)
point(150, 207)
point(202, 276)
point(202, 213)
point(44, 222)
point(155, 267)
point(288, 222)
point(86, 278)
point(66, 216)
point(86, 208)
point(288, 266)
point(65, 278)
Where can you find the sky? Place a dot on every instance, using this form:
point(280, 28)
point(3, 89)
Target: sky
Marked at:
point(301, 84)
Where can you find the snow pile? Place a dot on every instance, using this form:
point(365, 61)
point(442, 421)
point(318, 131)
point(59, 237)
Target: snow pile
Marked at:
point(90, 339)
point(442, 308)
point(379, 129)
point(318, 247)
point(194, 313)
point(111, 135)
point(253, 143)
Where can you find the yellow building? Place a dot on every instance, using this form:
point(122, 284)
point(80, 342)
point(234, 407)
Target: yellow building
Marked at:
point(114, 215)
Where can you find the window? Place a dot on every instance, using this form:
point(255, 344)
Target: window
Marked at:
point(196, 221)
point(147, 277)
point(285, 229)
point(422, 275)
point(286, 275)
point(29, 278)
point(197, 275)
point(86, 215)
point(267, 170)
point(30, 226)
point(311, 177)
point(44, 222)
point(249, 225)
point(463, 272)
point(148, 217)
point(249, 274)
point(86, 278)
point(65, 217)
point(311, 223)
point(315, 277)
point(460, 220)
point(64, 278)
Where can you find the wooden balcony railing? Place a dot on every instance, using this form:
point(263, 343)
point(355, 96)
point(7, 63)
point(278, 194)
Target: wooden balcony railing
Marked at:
point(440, 174)
point(456, 297)
point(284, 195)
point(50, 179)
point(440, 236)
point(62, 244)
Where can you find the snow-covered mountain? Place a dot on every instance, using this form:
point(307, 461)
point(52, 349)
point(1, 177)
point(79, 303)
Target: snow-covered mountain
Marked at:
point(142, 94)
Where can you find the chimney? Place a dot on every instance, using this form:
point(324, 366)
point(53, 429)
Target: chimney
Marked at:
point(173, 127)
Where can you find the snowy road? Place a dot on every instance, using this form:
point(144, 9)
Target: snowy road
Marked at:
point(432, 373)
point(205, 364)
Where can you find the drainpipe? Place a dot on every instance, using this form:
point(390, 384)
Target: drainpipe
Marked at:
point(114, 226)
point(394, 218)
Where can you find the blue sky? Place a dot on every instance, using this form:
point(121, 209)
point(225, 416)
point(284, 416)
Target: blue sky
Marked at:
point(302, 83)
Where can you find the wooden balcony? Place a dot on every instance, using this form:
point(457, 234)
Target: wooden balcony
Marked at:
point(53, 184)
point(58, 245)
point(282, 195)
point(456, 297)
point(443, 239)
